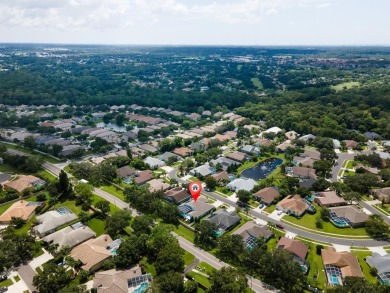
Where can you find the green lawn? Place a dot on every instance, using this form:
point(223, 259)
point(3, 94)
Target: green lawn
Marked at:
point(188, 258)
point(257, 83)
point(224, 190)
point(185, 233)
point(309, 221)
point(46, 175)
point(21, 149)
point(350, 164)
point(316, 274)
point(96, 198)
point(17, 278)
point(345, 85)
point(114, 191)
point(5, 207)
point(205, 268)
point(26, 227)
point(6, 283)
point(361, 255)
point(192, 178)
point(200, 279)
point(70, 204)
point(97, 225)
point(149, 268)
point(270, 209)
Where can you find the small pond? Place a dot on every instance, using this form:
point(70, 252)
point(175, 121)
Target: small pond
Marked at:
point(262, 170)
point(112, 126)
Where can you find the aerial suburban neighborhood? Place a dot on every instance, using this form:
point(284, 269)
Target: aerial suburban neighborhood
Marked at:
point(90, 189)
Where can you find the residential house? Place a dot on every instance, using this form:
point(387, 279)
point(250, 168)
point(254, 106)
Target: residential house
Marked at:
point(307, 183)
point(222, 137)
point(113, 281)
point(125, 172)
point(157, 184)
point(312, 154)
point(251, 233)
point(250, 149)
point(194, 210)
point(183, 152)
point(329, 199)
point(154, 163)
point(372, 135)
point(292, 205)
point(69, 150)
point(382, 265)
point(165, 156)
point(237, 156)
point(301, 172)
point(263, 142)
point(93, 252)
point(307, 137)
point(274, 130)
point(221, 176)
point(351, 214)
point(197, 146)
point(284, 146)
point(336, 144)
point(49, 221)
point(70, 236)
point(339, 265)
point(291, 135)
point(298, 249)
point(381, 194)
point(350, 144)
point(224, 220)
point(267, 195)
point(303, 161)
point(148, 148)
point(177, 195)
point(225, 162)
point(143, 176)
point(24, 181)
point(21, 210)
point(241, 184)
point(202, 171)
point(4, 177)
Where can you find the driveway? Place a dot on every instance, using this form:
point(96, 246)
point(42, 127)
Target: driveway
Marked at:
point(27, 274)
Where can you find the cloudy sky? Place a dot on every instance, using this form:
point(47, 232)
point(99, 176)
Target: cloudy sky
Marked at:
point(201, 22)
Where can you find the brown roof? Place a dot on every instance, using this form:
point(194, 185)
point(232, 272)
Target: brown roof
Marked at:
point(22, 182)
point(314, 154)
point(296, 247)
point(183, 152)
point(304, 172)
point(237, 156)
point(346, 261)
point(178, 194)
point(253, 229)
point(264, 142)
point(125, 171)
point(92, 252)
point(222, 137)
point(268, 194)
point(352, 213)
point(294, 203)
point(221, 176)
point(19, 209)
point(157, 184)
point(143, 177)
point(304, 161)
point(329, 198)
point(350, 144)
point(113, 281)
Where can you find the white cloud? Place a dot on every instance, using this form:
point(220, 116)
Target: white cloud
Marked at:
point(98, 14)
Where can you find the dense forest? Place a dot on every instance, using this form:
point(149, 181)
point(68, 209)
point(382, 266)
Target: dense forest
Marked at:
point(324, 90)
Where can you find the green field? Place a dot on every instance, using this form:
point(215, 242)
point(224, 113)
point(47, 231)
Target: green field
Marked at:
point(97, 226)
point(361, 255)
point(345, 85)
point(257, 83)
point(185, 233)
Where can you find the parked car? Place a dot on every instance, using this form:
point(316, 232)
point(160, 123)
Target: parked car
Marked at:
point(279, 213)
point(280, 226)
point(3, 277)
point(3, 289)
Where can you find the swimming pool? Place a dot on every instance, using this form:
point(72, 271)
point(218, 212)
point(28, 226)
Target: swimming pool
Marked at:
point(334, 280)
point(262, 170)
point(142, 288)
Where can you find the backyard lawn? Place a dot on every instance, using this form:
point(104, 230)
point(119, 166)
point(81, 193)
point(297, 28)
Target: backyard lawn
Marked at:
point(70, 204)
point(361, 255)
point(316, 273)
point(97, 225)
point(309, 221)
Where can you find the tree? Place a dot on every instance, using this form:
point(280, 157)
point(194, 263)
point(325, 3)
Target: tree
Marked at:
point(52, 279)
point(218, 167)
point(322, 167)
point(129, 252)
point(170, 259)
point(171, 282)
point(33, 164)
point(117, 222)
point(205, 234)
point(358, 285)
point(64, 185)
point(321, 184)
point(352, 196)
point(211, 182)
point(376, 227)
point(104, 207)
point(142, 225)
point(84, 194)
point(231, 247)
point(190, 287)
point(29, 142)
point(244, 196)
point(361, 183)
point(228, 280)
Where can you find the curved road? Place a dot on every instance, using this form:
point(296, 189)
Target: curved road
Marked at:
point(293, 229)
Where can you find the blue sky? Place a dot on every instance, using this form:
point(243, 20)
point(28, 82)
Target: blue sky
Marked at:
point(201, 22)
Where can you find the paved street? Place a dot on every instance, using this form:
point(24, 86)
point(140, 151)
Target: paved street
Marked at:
point(336, 169)
point(373, 210)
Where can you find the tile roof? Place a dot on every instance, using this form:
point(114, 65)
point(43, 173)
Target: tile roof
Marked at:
point(268, 194)
point(21, 209)
point(22, 182)
point(113, 281)
point(296, 247)
point(346, 261)
point(70, 236)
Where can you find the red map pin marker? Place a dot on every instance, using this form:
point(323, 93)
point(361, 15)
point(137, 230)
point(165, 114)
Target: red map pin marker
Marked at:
point(195, 188)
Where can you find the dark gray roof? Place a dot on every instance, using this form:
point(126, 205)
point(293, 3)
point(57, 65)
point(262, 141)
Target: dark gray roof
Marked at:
point(224, 219)
point(4, 177)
